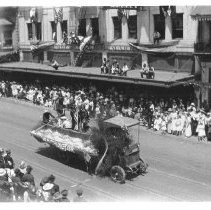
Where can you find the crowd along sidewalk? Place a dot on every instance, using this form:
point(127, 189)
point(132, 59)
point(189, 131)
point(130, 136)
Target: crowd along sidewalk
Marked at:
point(183, 139)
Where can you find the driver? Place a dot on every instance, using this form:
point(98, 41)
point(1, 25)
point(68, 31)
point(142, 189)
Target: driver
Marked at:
point(46, 116)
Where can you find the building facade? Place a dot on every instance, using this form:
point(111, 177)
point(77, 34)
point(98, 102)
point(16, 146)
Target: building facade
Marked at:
point(115, 28)
point(9, 36)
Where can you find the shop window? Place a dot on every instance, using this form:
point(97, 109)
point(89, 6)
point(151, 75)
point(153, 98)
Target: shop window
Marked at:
point(30, 34)
point(132, 26)
point(177, 26)
point(64, 26)
point(38, 31)
point(117, 28)
point(7, 38)
point(82, 27)
point(159, 25)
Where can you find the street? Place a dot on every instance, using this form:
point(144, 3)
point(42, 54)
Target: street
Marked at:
point(179, 169)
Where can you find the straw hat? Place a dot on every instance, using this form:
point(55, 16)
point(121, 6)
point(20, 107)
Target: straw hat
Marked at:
point(48, 186)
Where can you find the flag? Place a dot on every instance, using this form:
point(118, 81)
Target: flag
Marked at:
point(58, 16)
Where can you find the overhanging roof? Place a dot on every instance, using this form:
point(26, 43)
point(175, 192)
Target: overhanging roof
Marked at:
point(202, 13)
point(4, 22)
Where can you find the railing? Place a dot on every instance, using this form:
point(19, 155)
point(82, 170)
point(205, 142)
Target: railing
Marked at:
point(202, 47)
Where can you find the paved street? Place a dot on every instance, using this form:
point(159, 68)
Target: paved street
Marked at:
point(180, 169)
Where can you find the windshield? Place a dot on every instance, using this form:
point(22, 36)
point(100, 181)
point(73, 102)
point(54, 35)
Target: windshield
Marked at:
point(134, 133)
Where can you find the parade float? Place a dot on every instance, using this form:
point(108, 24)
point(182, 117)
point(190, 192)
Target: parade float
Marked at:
point(111, 148)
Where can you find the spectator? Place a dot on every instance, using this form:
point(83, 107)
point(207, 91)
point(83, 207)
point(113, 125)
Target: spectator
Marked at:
point(156, 37)
point(28, 177)
point(79, 197)
point(124, 69)
point(144, 70)
point(151, 72)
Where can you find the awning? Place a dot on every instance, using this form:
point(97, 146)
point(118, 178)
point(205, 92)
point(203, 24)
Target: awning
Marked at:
point(4, 22)
point(162, 50)
point(202, 13)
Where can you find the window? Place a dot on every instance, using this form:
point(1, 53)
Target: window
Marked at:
point(132, 26)
point(64, 26)
point(117, 28)
point(38, 31)
point(95, 27)
point(82, 27)
point(159, 25)
point(53, 28)
point(7, 38)
point(200, 28)
point(177, 26)
point(30, 34)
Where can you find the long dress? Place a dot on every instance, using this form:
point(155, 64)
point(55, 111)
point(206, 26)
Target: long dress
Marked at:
point(188, 131)
point(201, 128)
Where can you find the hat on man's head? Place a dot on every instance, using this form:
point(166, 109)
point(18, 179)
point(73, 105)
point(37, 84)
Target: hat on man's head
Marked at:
point(1, 150)
point(22, 167)
point(79, 191)
point(192, 104)
point(48, 186)
point(64, 192)
point(63, 117)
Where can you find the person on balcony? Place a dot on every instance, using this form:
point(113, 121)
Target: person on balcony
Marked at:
point(156, 37)
point(124, 69)
point(144, 70)
point(151, 72)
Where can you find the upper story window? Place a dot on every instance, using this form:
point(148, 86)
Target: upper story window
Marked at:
point(177, 26)
point(8, 38)
point(117, 28)
point(82, 27)
point(159, 25)
point(30, 34)
point(64, 26)
point(132, 26)
point(38, 31)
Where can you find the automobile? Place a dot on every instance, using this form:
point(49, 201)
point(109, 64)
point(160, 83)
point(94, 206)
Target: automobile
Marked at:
point(112, 148)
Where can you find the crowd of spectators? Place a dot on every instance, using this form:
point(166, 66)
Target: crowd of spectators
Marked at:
point(17, 183)
point(166, 115)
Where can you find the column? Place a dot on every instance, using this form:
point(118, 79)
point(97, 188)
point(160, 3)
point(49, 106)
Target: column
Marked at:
point(197, 65)
point(72, 58)
point(21, 55)
point(59, 32)
point(144, 58)
point(104, 55)
point(124, 28)
point(45, 56)
point(143, 26)
point(88, 27)
point(168, 28)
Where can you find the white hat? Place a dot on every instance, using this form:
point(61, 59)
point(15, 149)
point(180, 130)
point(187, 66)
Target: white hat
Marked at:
point(63, 117)
point(2, 172)
point(22, 167)
point(48, 186)
point(192, 104)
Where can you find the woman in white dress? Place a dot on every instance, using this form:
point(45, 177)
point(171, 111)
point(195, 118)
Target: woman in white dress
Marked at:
point(201, 129)
point(188, 131)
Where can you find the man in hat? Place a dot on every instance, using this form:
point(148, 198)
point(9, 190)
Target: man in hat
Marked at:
point(79, 197)
point(64, 194)
point(47, 116)
point(28, 177)
point(2, 161)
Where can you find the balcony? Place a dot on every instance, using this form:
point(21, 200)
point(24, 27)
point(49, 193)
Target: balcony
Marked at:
point(202, 47)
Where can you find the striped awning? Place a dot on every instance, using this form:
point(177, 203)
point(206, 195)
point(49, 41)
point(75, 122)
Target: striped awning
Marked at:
point(202, 13)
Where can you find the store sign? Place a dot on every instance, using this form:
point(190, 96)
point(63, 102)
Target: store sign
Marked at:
point(119, 48)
